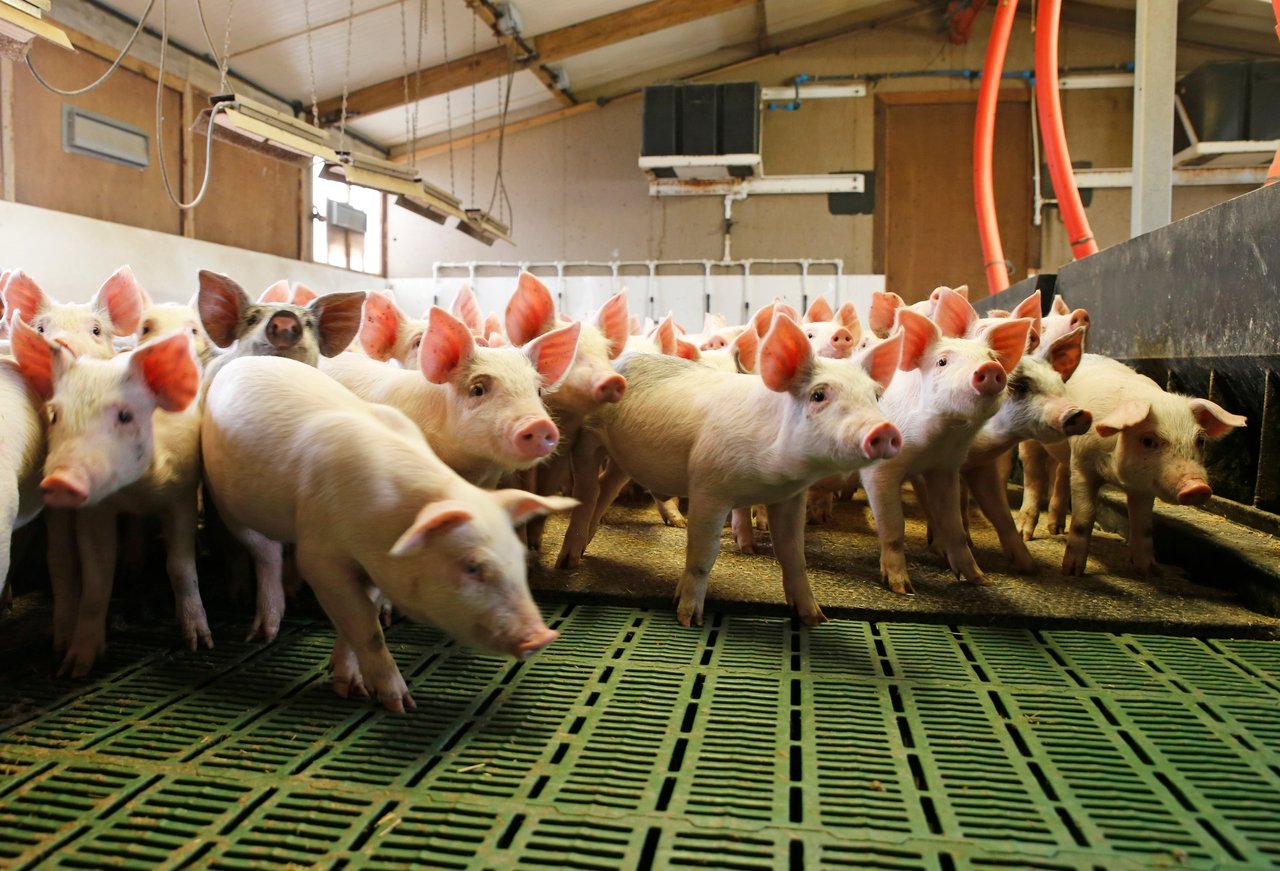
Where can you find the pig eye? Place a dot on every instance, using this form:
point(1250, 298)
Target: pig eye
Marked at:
point(942, 361)
point(477, 389)
point(1200, 442)
point(251, 319)
point(1149, 441)
point(146, 328)
point(97, 330)
point(52, 414)
point(124, 416)
point(472, 569)
point(818, 395)
point(40, 328)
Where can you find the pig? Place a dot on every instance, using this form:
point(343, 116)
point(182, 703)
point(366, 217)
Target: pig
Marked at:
point(386, 333)
point(86, 329)
point(727, 440)
point(159, 319)
point(273, 326)
point(885, 305)
point(478, 407)
point(836, 335)
point(1145, 441)
point(122, 437)
point(22, 450)
point(949, 388)
point(292, 456)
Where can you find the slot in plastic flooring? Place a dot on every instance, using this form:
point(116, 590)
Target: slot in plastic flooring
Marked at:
point(635, 743)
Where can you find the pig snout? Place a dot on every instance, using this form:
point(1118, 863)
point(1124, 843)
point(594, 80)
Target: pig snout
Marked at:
point(1079, 317)
point(714, 343)
point(284, 330)
point(535, 642)
point(842, 343)
point(63, 488)
point(1194, 492)
point(882, 442)
point(1077, 422)
point(610, 388)
point(989, 378)
point(536, 438)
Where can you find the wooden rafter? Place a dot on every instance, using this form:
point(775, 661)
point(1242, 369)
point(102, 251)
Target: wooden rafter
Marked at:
point(549, 47)
point(488, 13)
point(1209, 35)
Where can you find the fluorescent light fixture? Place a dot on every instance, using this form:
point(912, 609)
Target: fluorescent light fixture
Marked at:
point(97, 135)
point(257, 127)
point(483, 227)
point(18, 28)
point(433, 204)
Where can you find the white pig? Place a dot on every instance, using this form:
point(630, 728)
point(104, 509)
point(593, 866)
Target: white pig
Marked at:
point(1145, 441)
point(386, 333)
point(727, 440)
point(292, 456)
point(950, 388)
point(22, 450)
point(478, 407)
point(85, 328)
point(122, 437)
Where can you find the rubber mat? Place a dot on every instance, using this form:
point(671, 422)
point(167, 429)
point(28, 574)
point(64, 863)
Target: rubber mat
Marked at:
point(633, 742)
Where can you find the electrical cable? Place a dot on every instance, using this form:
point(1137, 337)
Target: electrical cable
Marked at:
point(111, 69)
point(213, 114)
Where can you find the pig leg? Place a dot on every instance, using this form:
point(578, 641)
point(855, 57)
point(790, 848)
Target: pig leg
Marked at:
point(1141, 544)
point(347, 680)
point(1060, 474)
point(884, 494)
point(179, 526)
point(820, 506)
point(96, 542)
point(612, 480)
point(1084, 506)
point(1034, 478)
point(546, 479)
point(587, 455)
point(943, 493)
point(706, 520)
point(268, 567)
point(760, 517)
point(64, 575)
point(355, 617)
point(669, 509)
point(786, 519)
point(740, 521)
point(8, 520)
point(988, 491)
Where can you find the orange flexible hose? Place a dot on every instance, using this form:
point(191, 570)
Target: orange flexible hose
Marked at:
point(1049, 104)
point(984, 129)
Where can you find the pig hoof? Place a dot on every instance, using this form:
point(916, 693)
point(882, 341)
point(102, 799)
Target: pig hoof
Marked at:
point(979, 581)
point(817, 618)
point(1055, 528)
point(263, 629)
point(748, 547)
point(385, 614)
point(1072, 566)
point(901, 585)
point(568, 561)
point(689, 615)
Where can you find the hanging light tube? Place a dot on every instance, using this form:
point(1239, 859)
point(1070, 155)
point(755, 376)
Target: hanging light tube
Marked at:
point(483, 227)
point(249, 124)
point(19, 28)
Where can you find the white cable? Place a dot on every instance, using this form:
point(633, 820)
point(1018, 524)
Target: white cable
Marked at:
point(111, 69)
point(213, 114)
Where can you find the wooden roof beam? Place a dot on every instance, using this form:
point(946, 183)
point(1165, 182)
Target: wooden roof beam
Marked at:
point(629, 23)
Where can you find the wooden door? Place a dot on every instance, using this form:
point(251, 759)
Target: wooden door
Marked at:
point(926, 230)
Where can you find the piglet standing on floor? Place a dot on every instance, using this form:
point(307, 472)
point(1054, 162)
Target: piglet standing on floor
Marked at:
point(122, 437)
point(291, 455)
point(1145, 441)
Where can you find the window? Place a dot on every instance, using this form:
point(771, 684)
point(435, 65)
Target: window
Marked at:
point(337, 246)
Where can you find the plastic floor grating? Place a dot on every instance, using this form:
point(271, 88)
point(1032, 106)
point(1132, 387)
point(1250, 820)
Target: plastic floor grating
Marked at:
point(633, 742)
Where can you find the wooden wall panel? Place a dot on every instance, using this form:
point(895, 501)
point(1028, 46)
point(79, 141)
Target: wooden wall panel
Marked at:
point(253, 201)
point(52, 178)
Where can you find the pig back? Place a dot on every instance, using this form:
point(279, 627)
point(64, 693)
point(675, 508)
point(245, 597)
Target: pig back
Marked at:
point(22, 443)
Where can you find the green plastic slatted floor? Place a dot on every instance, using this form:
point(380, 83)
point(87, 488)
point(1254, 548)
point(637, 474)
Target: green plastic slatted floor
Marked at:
point(633, 742)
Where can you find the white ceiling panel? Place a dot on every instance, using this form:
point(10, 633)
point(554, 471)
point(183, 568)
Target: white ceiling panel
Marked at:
point(660, 49)
point(541, 16)
point(433, 114)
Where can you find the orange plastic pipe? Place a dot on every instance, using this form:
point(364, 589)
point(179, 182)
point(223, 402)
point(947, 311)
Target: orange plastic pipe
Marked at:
point(1273, 173)
point(984, 131)
point(1049, 104)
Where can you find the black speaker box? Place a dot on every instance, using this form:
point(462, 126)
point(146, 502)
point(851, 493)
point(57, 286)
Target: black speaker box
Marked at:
point(698, 119)
point(661, 124)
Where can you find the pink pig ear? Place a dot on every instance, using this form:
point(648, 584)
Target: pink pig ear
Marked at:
point(1029, 307)
point(819, 310)
point(277, 294)
point(884, 309)
point(466, 308)
point(492, 324)
point(433, 520)
point(168, 368)
point(785, 355)
point(302, 295)
point(746, 350)
point(1059, 306)
point(380, 325)
point(762, 320)
point(687, 350)
point(664, 336)
point(954, 316)
point(614, 321)
point(712, 322)
point(1215, 420)
point(121, 298)
point(35, 356)
point(846, 317)
point(1125, 416)
point(884, 359)
point(22, 294)
point(220, 301)
point(447, 347)
point(523, 506)
point(1009, 340)
point(918, 333)
point(531, 310)
point(1065, 353)
point(553, 353)
point(338, 320)
point(781, 308)
point(963, 290)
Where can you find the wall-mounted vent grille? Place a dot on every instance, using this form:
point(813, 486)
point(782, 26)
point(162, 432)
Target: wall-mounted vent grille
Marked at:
point(108, 138)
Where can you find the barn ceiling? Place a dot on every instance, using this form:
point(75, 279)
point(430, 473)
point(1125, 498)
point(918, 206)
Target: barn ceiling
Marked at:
point(567, 51)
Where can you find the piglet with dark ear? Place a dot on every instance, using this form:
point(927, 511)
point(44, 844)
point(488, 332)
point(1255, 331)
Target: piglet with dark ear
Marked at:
point(274, 326)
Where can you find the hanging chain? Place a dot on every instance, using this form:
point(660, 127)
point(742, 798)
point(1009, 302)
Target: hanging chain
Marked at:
point(417, 75)
point(448, 102)
point(474, 86)
point(311, 64)
point(225, 61)
point(404, 58)
point(506, 214)
point(346, 77)
point(411, 126)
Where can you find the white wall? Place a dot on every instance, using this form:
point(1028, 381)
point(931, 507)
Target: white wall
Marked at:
point(69, 256)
